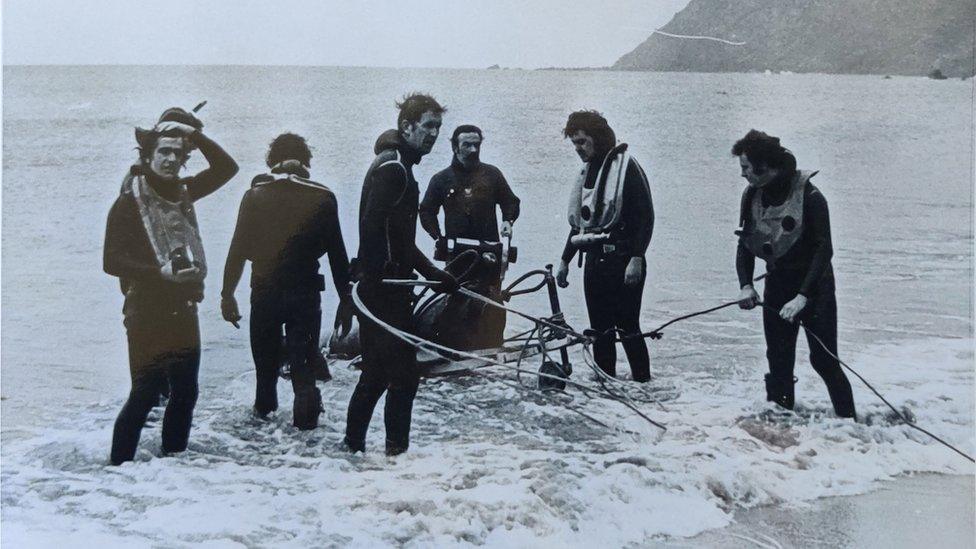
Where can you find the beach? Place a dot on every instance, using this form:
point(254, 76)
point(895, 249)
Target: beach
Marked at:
point(491, 463)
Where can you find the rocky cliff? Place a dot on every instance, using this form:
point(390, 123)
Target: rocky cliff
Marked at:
point(909, 37)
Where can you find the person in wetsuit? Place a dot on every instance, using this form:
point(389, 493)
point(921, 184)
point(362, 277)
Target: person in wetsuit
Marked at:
point(470, 191)
point(153, 245)
point(387, 249)
point(783, 220)
point(285, 224)
point(611, 217)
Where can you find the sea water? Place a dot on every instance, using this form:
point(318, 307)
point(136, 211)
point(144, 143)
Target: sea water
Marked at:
point(490, 463)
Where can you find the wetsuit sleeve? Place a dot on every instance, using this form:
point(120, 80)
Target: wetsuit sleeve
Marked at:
point(816, 221)
point(745, 261)
point(569, 251)
point(507, 201)
point(222, 168)
point(430, 205)
point(127, 253)
point(335, 246)
point(638, 209)
point(385, 189)
point(238, 253)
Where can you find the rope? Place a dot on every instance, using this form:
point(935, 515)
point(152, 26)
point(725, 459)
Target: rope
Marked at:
point(419, 342)
point(873, 390)
point(587, 339)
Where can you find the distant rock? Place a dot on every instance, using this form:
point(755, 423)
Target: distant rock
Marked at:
point(494, 67)
point(904, 37)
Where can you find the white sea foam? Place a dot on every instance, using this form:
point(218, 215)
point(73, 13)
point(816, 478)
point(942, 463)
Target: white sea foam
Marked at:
point(489, 464)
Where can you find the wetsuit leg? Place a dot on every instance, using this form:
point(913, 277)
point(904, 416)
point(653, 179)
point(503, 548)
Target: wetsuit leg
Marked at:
point(156, 340)
point(404, 376)
point(780, 342)
point(627, 320)
point(303, 315)
point(182, 371)
point(821, 318)
point(388, 365)
point(600, 288)
point(373, 379)
point(147, 375)
point(265, 325)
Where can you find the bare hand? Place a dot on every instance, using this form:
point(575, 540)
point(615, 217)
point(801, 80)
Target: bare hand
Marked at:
point(179, 277)
point(446, 283)
point(634, 271)
point(343, 319)
point(228, 308)
point(748, 298)
point(792, 310)
point(175, 127)
point(507, 228)
point(562, 274)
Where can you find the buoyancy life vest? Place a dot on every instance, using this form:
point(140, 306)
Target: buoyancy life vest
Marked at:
point(169, 225)
point(775, 229)
point(598, 209)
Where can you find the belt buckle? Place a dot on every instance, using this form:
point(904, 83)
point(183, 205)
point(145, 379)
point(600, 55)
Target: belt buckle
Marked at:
point(609, 248)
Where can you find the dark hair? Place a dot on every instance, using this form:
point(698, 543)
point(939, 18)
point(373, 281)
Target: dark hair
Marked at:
point(764, 149)
point(464, 128)
point(288, 146)
point(414, 105)
point(593, 124)
point(148, 139)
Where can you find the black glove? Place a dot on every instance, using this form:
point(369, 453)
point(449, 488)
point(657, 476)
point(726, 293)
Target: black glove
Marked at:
point(446, 283)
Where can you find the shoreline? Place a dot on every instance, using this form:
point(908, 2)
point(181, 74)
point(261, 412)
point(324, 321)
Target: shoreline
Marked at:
point(914, 510)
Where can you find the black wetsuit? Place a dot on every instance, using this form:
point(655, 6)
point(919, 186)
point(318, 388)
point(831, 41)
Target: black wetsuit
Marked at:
point(284, 227)
point(614, 307)
point(469, 197)
point(160, 316)
point(804, 269)
point(387, 249)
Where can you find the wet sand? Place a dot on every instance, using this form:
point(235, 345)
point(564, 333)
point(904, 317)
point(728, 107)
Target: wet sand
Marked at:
point(924, 510)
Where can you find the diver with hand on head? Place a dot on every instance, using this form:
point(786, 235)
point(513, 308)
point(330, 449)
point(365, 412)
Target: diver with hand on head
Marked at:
point(783, 219)
point(153, 245)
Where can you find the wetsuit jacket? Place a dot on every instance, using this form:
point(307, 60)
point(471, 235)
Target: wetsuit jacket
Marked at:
point(285, 224)
point(808, 260)
point(633, 234)
point(128, 253)
point(388, 213)
point(469, 197)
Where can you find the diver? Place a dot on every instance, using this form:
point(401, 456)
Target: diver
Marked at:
point(153, 245)
point(470, 190)
point(611, 217)
point(286, 223)
point(784, 220)
point(387, 249)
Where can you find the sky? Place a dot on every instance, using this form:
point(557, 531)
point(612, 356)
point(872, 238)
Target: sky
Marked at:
point(384, 33)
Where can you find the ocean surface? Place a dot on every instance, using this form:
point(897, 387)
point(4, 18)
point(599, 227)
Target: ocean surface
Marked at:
point(490, 463)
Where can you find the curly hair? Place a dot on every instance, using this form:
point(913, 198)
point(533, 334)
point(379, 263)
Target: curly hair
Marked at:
point(288, 146)
point(593, 124)
point(764, 149)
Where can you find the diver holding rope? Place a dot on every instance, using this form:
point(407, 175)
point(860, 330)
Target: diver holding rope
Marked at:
point(784, 221)
point(387, 248)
